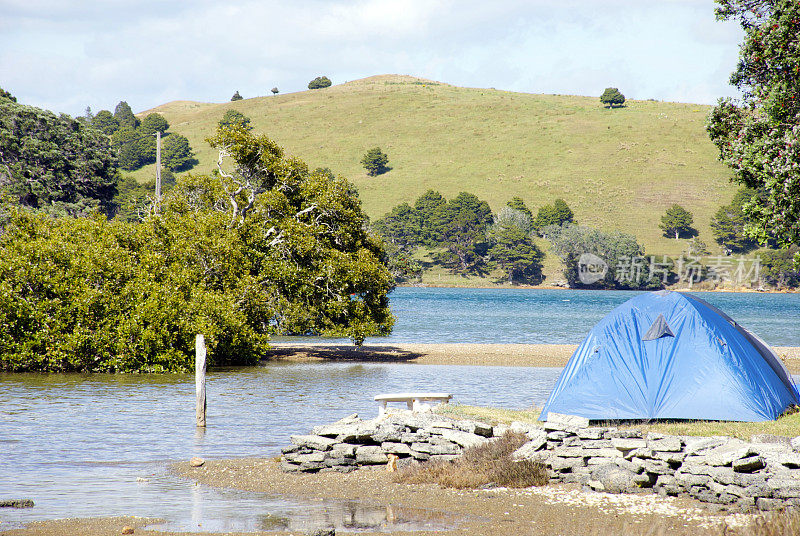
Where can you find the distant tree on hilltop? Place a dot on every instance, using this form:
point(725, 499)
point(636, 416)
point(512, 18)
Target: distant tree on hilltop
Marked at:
point(236, 96)
point(612, 97)
point(274, 90)
point(319, 82)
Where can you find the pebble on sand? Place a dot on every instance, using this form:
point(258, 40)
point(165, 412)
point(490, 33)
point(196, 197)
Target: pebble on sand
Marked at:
point(196, 462)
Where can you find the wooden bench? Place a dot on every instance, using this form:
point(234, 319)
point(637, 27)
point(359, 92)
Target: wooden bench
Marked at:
point(414, 401)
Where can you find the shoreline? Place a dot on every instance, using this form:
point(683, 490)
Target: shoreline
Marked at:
point(470, 354)
point(743, 290)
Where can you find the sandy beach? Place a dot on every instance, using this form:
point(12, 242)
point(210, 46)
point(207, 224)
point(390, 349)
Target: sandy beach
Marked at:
point(510, 355)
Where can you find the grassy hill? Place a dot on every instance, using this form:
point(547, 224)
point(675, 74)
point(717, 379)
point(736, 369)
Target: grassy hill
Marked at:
point(617, 169)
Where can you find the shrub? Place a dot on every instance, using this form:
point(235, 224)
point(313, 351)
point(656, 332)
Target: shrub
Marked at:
point(320, 82)
point(612, 97)
point(490, 463)
point(374, 161)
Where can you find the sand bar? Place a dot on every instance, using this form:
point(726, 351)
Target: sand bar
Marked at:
point(511, 355)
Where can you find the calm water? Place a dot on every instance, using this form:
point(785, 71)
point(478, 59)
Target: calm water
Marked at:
point(77, 444)
point(559, 316)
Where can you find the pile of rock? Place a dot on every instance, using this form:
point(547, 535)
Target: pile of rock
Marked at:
point(352, 442)
point(763, 473)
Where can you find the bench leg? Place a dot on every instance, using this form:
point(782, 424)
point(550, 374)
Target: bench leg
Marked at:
point(410, 404)
point(382, 409)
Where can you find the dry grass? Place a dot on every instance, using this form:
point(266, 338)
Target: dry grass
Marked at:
point(788, 425)
point(785, 523)
point(487, 464)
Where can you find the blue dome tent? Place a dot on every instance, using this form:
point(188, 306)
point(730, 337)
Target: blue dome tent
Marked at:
point(668, 355)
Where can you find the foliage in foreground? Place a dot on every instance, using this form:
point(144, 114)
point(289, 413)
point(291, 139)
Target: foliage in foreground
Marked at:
point(760, 139)
point(265, 248)
point(490, 463)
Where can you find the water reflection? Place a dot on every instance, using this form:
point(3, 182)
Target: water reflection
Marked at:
point(344, 516)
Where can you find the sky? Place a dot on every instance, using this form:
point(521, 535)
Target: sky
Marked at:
point(65, 55)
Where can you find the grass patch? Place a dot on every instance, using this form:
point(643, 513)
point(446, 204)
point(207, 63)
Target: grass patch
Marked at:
point(788, 425)
point(487, 464)
point(785, 523)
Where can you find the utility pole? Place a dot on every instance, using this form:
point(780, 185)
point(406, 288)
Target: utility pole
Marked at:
point(158, 167)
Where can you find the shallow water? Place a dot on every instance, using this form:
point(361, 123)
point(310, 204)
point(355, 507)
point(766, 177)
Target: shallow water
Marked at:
point(76, 444)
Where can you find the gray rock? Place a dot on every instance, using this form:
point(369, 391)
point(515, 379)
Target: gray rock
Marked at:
point(571, 452)
point(594, 433)
point(371, 455)
point(658, 467)
point(596, 443)
point(614, 478)
point(315, 442)
point(528, 451)
point(795, 443)
point(464, 439)
point(688, 480)
point(698, 445)
point(17, 503)
point(613, 433)
point(333, 430)
point(400, 449)
point(344, 449)
point(769, 438)
point(288, 467)
point(420, 456)
point(633, 466)
point(749, 464)
point(766, 505)
point(643, 453)
point(500, 429)
point(475, 427)
point(436, 448)
point(626, 444)
point(313, 457)
point(645, 480)
point(594, 460)
point(415, 437)
point(734, 449)
point(672, 458)
point(330, 531)
point(557, 435)
point(665, 444)
point(291, 448)
point(572, 421)
point(338, 461)
point(388, 432)
point(784, 488)
point(609, 452)
point(565, 464)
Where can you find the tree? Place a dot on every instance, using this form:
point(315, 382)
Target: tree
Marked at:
point(677, 221)
point(463, 231)
point(6, 95)
point(105, 122)
point(511, 247)
point(124, 116)
point(146, 134)
point(778, 269)
point(518, 204)
point(374, 161)
point(54, 163)
point(233, 117)
point(274, 90)
point(431, 209)
point(555, 214)
point(729, 222)
point(126, 142)
point(612, 97)
point(401, 227)
point(759, 138)
point(176, 153)
point(236, 96)
point(570, 242)
point(319, 82)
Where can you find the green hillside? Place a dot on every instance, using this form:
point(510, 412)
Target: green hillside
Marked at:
point(617, 169)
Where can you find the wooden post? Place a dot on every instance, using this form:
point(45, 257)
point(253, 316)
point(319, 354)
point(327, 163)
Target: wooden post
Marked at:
point(200, 379)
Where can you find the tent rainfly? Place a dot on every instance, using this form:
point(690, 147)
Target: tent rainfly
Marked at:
point(668, 355)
